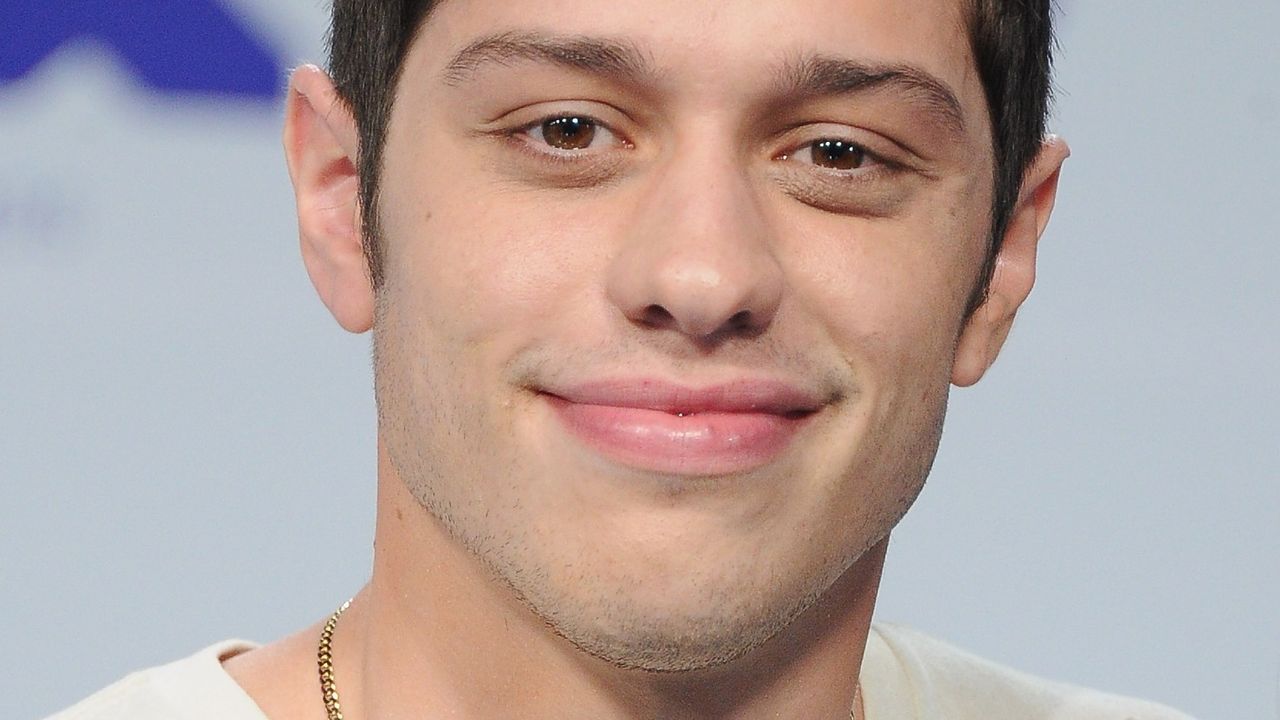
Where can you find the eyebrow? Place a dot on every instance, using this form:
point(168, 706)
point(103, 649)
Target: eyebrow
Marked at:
point(819, 75)
point(808, 77)
point(609, 58)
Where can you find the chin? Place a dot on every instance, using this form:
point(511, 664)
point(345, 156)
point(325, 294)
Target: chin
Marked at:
point(667, 644)
point(680, 627)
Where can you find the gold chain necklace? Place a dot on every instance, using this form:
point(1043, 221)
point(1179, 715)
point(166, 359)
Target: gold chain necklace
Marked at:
point(329, 688)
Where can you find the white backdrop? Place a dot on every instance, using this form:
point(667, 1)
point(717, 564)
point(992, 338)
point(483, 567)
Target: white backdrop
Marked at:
point(187, 440)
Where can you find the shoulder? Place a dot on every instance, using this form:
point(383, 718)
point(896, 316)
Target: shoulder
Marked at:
point(193, 688)
point(950, 683)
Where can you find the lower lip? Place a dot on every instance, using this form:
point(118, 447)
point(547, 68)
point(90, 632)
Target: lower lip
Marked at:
point(711, 443)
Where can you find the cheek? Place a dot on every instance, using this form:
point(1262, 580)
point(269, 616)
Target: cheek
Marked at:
point(890, 295)
point(481, 262)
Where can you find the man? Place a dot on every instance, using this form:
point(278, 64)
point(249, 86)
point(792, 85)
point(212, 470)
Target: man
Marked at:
point(666, 298)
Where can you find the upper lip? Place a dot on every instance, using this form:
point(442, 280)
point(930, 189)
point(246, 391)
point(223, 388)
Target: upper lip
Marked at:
point(748, 395)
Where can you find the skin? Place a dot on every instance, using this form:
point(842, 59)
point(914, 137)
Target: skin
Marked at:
point(518, 573)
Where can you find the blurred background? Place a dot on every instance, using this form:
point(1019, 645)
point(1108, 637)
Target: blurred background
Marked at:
point(187, 439)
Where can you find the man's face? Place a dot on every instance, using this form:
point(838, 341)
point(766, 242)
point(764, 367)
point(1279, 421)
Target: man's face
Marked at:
point(673, 291)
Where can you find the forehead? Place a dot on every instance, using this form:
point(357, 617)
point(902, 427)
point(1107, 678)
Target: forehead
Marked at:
point(727, 46)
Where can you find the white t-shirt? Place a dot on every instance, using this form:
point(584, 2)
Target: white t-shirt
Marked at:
point(906, 675)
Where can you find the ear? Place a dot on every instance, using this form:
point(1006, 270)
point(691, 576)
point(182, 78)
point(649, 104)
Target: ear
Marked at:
point(1015, 267)
point(321, 145)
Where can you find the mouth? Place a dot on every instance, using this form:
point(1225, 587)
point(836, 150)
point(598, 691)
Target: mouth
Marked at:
point(661, 427)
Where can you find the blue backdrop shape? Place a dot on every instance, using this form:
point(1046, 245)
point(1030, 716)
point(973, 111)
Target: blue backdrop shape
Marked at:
point(171, 46)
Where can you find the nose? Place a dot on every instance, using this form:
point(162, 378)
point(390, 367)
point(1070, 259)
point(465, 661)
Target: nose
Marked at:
point(698, 258)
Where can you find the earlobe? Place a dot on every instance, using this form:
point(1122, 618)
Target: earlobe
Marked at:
point(1015, 269)
point(321, 145)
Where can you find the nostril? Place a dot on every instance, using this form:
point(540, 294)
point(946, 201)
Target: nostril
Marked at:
point(741, 320)
point(658, 316)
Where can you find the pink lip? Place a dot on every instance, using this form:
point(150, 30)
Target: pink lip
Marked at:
point(666, 428)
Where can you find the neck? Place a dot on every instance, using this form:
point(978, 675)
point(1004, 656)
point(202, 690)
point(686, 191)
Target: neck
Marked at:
point(434, 634)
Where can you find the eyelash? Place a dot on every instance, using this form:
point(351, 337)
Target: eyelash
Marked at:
point(870, 161)
point(527, 143)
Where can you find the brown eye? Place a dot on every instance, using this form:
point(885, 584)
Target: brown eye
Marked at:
point(838, 155)
point(568, 133)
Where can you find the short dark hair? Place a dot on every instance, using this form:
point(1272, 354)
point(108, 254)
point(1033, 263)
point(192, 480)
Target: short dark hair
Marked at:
point(1011, 41)
point(1012, 44)
point(367, 44)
